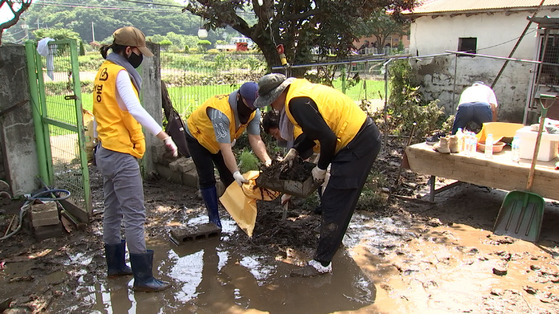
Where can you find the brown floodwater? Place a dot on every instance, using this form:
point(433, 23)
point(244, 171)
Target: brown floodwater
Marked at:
point(206, 278)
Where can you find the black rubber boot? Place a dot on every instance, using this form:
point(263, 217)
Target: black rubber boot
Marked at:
point(210, 198)
point(116, 265)
point(143, 277)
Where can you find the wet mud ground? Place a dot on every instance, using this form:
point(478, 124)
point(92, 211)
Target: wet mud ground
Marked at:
point(409, 256)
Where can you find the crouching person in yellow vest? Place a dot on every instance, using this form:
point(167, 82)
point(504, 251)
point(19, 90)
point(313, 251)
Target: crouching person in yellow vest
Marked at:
point(211, 131)
point(119, 118)
point(349, 143)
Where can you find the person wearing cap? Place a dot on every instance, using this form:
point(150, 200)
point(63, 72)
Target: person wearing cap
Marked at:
point(349, 143)
point(477, 104)
point(211, 131)
point(119, 118)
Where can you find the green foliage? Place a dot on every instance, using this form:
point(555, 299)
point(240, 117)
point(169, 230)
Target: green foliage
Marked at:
point(56, 33)
point(165, 42)
point(83, 15)
point(248, 161)
point(298, 25)
point(204, 44)
point(380, 25)
point(406, 106)
point(90, 61)
point(371, 197)
point(82, 49)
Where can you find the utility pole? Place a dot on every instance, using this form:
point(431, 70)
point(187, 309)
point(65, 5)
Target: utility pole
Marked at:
point(93, 31)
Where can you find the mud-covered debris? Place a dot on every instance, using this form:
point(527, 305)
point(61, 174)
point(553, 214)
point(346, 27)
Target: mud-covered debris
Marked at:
point(299, 171)
point(500, 270)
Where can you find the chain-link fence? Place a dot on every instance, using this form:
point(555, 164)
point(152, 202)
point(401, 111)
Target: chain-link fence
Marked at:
point(193, 78)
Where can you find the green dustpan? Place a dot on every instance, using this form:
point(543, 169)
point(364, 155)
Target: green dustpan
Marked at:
point(521, 213)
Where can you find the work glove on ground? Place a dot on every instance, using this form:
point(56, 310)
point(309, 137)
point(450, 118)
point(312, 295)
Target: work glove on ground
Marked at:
point(285, 198)
point(239, 178)
point(290, 156)
point(318, 174)
point(171, 146)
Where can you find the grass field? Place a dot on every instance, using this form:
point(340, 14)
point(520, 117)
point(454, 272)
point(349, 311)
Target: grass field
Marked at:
point(187, 98)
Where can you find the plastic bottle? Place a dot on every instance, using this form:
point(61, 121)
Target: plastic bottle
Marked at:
point(467, 142)
point(489, 146)
point(515, 147)
point(474, 143)
point(460, 136)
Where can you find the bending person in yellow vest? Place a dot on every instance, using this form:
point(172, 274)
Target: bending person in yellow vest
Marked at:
point(349, 144)
point(211, 131)
point(119, 118)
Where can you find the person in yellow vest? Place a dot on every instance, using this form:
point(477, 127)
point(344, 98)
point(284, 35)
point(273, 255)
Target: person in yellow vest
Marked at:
point(349, 143)
point(119, 118)
point(211, 131)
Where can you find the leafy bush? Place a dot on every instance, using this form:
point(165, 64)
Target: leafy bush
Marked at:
point(248, 161)
point(406, 106)
point(65, 87)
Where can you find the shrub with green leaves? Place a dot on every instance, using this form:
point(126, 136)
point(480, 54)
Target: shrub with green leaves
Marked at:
point(248, 161)
point(406, 105)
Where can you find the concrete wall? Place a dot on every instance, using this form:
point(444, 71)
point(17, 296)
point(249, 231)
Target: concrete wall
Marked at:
point(151, 101)
point(444, 78)
point(17, 135)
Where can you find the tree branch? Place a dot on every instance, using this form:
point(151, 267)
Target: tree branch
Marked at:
point(23, 6)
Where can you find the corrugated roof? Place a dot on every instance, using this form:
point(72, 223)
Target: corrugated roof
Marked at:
point(463, 6)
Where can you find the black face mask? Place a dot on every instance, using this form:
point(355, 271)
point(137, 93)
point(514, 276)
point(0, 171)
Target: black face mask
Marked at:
point(243, 110)
point(135, 60)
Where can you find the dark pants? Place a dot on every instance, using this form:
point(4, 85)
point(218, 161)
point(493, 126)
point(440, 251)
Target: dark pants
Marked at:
point(204, 162)
point(348, 173)
point(478, 112)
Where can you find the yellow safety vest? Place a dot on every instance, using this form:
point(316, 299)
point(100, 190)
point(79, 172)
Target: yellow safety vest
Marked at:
point(201, 127)
point(116, 129)
point(341, 113)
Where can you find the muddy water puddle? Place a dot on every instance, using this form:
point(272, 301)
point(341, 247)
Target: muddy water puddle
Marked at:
point(208, 278)
point(385, 266)
point(439, 258)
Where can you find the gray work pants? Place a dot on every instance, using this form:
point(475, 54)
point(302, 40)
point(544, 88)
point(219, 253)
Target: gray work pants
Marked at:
point(124, 199)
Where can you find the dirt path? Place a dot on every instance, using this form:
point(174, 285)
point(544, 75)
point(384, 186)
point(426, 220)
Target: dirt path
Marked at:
point(408, 257)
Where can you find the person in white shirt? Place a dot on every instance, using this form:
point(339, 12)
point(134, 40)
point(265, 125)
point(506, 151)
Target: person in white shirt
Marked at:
point(478, 104)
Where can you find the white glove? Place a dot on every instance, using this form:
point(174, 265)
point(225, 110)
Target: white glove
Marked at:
point(318, 174)
point(285, 198)
point(268, 163)
point(290, 156)
point(170, 145)
point(239, 178)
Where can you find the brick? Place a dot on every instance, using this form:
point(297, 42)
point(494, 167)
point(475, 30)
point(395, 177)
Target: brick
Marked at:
point(190, 233)
point(44, 214)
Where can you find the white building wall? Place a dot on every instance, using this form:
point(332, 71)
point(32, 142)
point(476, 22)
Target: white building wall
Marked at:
point(444, 78)
point(496, 34)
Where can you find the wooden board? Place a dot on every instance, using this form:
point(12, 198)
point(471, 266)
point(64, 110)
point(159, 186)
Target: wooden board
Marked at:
point(498, 172)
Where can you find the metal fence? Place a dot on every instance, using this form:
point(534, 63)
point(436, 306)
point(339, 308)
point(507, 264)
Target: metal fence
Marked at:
point(193, 78)
point(58, 119)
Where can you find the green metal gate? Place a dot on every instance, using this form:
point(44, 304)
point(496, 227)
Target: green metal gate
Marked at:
point(58, 120)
